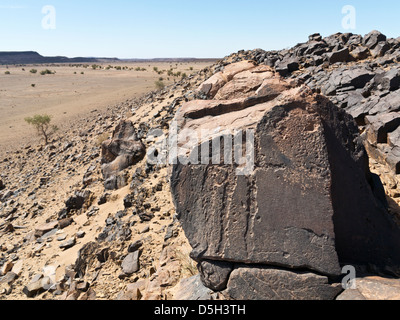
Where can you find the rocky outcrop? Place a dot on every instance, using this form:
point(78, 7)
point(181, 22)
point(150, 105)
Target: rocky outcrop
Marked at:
point(359, 74)
point(120, 152)
point(308, 203)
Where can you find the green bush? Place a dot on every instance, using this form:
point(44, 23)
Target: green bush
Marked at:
point(42, 125)
point(47, 71)
point(159, 85)
point(7, 72)
point(33, 71)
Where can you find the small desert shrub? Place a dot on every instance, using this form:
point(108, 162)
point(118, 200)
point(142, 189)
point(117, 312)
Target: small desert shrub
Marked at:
point(82, 72)
point(33, 85)
point(42, 125)
point(33, 71)
point(47, 71)
point(159, 85)
point(7, 72)
point(155, 69)
point(184, 76)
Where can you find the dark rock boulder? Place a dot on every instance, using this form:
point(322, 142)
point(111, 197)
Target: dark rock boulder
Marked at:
point(78, 200)
point(214, 274)
point(351, 79)
point(122, 151)
point(309, 196)
point(360, 53)
point(380, 49)
point(389, 103)
point(342, 55)
point(372, 39)
point(388, 81)
point(263, 283)
point(380, 125)
point(287, 66)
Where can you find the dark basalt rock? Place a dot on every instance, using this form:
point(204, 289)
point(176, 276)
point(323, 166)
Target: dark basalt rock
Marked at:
point(263, 283)
point(215, 274)
point(122, 151)
point(311, 202)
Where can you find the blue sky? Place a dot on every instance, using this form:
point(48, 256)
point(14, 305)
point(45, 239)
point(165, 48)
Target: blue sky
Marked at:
point(181, 28)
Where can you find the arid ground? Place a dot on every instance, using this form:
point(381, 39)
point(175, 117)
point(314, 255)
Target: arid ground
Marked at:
point(74, 91)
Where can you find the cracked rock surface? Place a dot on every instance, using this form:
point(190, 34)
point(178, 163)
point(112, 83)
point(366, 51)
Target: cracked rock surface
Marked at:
point(310, 195)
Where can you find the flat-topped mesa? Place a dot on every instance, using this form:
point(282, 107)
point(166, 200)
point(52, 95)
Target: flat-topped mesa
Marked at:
point(309, 203)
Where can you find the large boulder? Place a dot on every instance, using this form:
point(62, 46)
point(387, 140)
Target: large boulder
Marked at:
point(123, 150)
point(261, 283)
point(372, 39)
point(210, 87)
point(306, 202)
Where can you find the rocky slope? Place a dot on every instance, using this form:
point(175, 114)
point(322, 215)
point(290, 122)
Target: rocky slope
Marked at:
point(88, 217)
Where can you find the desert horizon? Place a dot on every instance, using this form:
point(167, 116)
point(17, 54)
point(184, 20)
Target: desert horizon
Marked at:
point(68, 94)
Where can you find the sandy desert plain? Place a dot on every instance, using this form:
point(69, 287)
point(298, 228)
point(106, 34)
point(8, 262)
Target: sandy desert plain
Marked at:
point(74, 91)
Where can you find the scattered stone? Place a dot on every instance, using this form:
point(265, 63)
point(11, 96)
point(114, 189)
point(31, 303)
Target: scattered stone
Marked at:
point(135, 246)
point(130, 264)
point(104, 198)
point(78, 200)
point(17, 268)
point(145, 230)
point(146, 216)
point(342, 55)
point(9, 278)
point(62, 237)
point(193, 289)
point(80, 234)
point(36, 287)
point(6, 268)
point(83, 286)
point(45, 228)
point(273, 284)
point(64, 223)
point(68, 244)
